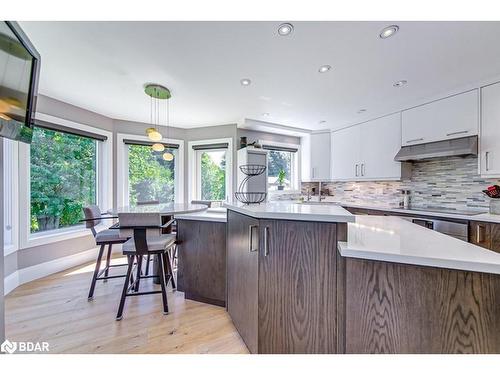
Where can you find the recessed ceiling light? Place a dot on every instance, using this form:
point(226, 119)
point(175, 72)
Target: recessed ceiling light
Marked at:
point(321, 122)
point(400, 83)
point(324, 68)
point(245, 82)
point(285, 29)
point(388, 31)
point(265, 114)
point(362, 110)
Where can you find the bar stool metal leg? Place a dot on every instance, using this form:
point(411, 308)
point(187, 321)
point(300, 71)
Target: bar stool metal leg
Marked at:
point(126, 284)
point(168, 268)
point(148, 259)
point(161, 272)
point(96, 272)
point(138, 275)
point(108, 261)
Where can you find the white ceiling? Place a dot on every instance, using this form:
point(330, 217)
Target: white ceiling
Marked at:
point(102, 66)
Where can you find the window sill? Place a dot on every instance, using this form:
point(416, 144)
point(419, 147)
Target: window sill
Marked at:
point(57, 235)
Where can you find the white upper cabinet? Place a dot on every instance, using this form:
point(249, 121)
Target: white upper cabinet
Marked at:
point(346, 154)
point(366, 151)
point(320, 156)
point(380, 142)
point(490, 131)
point(453, 117)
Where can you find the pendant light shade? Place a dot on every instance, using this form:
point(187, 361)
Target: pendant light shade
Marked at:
point(155, 136)
point(168, 156)
point(158, 147)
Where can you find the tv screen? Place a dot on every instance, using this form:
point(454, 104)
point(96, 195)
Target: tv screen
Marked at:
point(19, 68)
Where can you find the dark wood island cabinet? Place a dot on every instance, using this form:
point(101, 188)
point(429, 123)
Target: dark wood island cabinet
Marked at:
point(202, 260)
point(282, 292)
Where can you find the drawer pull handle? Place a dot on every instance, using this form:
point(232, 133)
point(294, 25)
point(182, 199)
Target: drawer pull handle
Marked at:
point(415, 140)
point(266, 241)
point(487, 156)
point(250, 239)
point(455, 133)
point(356, 170)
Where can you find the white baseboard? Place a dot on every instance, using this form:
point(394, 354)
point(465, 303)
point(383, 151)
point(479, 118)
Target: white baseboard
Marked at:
point(10, 282)
point(38, 271)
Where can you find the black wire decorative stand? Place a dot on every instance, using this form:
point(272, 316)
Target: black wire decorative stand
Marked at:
point(250, 197)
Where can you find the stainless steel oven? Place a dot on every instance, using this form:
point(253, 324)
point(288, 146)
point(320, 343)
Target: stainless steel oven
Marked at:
point(455, 229)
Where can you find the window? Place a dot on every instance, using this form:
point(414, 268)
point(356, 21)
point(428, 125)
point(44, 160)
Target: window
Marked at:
point(63, 178)
point(150, 177)
point(142, 173)
point(211, 169)
point(212, 184)
point(282, 168)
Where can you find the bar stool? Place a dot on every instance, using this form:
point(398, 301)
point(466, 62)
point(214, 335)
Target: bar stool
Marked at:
point(105, 237)
point(146, 240)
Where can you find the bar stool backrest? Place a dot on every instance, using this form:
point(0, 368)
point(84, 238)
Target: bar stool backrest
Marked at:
point(92, 212)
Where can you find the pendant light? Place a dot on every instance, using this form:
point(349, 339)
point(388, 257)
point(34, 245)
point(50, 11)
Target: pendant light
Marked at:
point(158, 94)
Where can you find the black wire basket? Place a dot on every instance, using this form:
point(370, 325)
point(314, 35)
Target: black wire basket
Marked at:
point(250, 197)
point(253, 169)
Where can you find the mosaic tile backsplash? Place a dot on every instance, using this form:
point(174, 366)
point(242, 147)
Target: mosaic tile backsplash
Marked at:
point(451, 182)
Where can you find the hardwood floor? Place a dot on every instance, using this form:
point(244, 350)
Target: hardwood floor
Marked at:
point(55, 309)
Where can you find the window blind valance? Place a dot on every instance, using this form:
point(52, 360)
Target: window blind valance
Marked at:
point(68, 130)
point(279, 148)
point(213, 146)
point(147, 143)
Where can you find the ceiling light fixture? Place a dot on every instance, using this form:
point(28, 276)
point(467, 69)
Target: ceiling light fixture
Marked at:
point(400, 83)
point(158, 94)
point(324, 68)
point(285, 29)
point(245, 82)
point(388, 31)
point(362, 110)
point(321, 122)
point(265, 114)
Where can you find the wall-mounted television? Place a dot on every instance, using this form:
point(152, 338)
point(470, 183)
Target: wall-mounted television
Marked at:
point(19, 71)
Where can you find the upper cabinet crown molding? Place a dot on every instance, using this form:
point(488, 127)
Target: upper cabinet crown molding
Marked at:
point(453, 117)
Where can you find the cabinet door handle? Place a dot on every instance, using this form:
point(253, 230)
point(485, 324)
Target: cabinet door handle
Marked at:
point(250, 238)
point(356, 170)
point(414, 140)
point(455, 133)
point(266, 241)
point(487, 156)
point(313, 172)
point(363, 169)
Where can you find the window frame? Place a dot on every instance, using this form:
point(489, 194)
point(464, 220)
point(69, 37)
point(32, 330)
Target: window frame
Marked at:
point(122, 182)
point(104, 189)
point(296, 170)
point(11, 192)
point(194, 179)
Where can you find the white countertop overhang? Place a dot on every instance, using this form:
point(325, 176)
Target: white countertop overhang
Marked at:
point(294, 211)
point(391, 239)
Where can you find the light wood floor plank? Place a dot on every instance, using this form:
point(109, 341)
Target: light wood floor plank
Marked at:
point(55, 309)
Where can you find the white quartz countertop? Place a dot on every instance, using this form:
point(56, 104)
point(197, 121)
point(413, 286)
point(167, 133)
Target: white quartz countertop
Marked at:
point(391, 239)
point(480, 216)
point(294, 211)
point(210, 214)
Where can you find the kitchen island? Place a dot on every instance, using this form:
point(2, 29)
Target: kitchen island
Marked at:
point(308, 279)
point(282, 275)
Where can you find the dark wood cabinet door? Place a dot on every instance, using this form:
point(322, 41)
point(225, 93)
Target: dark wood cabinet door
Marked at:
point(202, 260)
point(480, 234)
point(495, 237)
point(297, 287)
point(242, 276)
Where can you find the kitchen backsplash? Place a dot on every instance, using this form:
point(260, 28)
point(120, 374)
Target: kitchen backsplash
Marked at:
point(451, 182)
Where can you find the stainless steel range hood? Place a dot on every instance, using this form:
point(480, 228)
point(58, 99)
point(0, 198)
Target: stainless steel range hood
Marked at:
point(453, 147)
